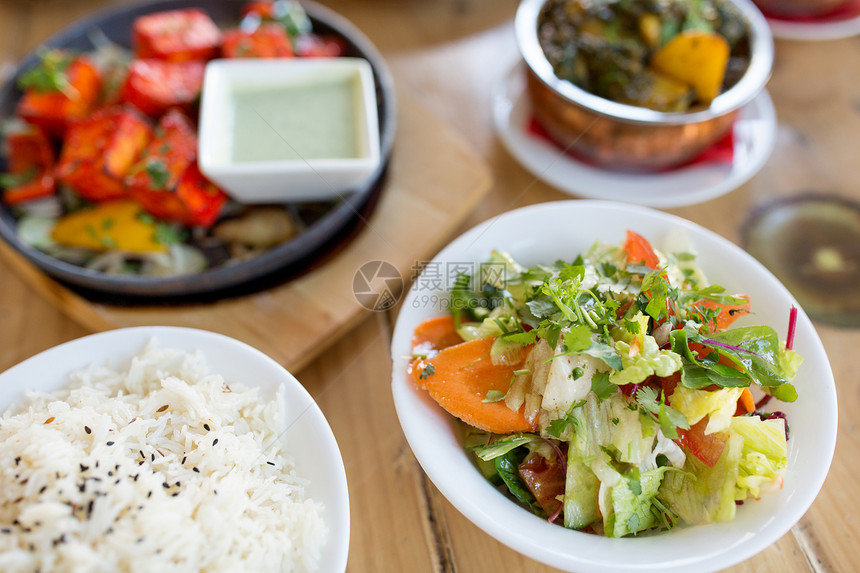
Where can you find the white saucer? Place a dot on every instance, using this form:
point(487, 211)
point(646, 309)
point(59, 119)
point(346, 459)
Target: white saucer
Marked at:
point(755, 133)
point(815, 31)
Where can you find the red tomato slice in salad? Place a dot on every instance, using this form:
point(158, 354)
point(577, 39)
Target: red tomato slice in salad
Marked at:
point(640, 251)
point(545, 479)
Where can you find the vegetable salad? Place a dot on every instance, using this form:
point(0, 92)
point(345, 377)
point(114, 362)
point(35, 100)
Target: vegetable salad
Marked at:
point(609, 394)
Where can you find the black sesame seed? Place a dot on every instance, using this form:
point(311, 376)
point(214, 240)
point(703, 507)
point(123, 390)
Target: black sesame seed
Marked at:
point(165, 485)
point(140, 463)
point(141, 453)
point(17, 460)
point(117, 482)
point(111, 443)
point(110, 473)
point(84, 468)
point(183, 460)
point(5, 530)
point(88, 430)
point(90, 507)
point(196, 469)
point(174, 494)
point(82, 487)
point(136, 476)
point(44, 487)
point(177, 484)
point(206, 427)
point(97, 463)
point(149, 494)
point(271, 463)
point(215, 442)
point(153, 457)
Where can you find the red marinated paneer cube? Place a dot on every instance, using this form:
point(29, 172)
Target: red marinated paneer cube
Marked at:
point(154, 179)
point(154, 86)
point(99, 151)
point(167, 182)
point(61, 88)
point(30, 163)
point(267, 41)
point(202, 199)
point(176, 36)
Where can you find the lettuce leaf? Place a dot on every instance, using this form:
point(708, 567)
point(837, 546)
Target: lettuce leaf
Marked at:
point(764, 454)
point(648, 361)
point(701, 494)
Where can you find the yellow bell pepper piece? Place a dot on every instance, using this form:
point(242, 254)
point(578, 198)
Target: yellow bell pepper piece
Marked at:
point(697, 58)
point(121, 225)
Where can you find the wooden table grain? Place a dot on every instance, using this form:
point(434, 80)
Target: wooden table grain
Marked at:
point(449, 54)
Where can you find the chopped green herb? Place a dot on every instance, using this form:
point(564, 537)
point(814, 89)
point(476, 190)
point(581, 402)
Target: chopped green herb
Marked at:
point(158, 174)
point(427, 371)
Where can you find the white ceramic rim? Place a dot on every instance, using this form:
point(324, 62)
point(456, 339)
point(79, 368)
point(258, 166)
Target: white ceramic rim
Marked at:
point(81, 352)
point(814, 31)
point(549, 164)
point(421, 418)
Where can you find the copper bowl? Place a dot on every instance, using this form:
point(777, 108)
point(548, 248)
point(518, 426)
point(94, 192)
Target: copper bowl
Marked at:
point(800, 7)
point(626, 137)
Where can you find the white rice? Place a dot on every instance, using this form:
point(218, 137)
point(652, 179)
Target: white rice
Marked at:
point(101, 476)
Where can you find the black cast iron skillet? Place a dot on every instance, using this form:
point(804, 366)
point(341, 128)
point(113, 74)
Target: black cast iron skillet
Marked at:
point(278, 264)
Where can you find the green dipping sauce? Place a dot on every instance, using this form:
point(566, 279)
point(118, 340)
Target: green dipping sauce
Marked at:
point(315, 119)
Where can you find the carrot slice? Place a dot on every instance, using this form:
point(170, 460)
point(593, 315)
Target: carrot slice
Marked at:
point(728, 312)
point(459, 378)
point(436, 334)
point(746, 403)
point(640, 251)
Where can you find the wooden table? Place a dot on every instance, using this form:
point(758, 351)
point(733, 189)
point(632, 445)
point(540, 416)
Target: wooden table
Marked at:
point(449, 54)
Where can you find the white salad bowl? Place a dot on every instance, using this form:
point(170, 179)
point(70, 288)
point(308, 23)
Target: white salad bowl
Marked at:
point(310, 441)
point(545, 233)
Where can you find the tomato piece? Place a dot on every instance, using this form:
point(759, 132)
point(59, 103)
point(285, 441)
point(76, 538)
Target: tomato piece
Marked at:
point(545, 479)
point(707, 447)
point(176, 36)
point(313, 46)
point(267, 41)
point(98, 152)
point(154, 86)
point(53, 109)
point(200, 197)
point(640, 251)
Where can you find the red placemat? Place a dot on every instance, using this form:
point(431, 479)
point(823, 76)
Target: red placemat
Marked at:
point(721, 152)
point(847, 12)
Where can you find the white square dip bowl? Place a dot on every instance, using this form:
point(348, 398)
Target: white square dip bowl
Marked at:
point(288, 129)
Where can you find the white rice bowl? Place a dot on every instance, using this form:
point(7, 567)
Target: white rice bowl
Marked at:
point(160, 463)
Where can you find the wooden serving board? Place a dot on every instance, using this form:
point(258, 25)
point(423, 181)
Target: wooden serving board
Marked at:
point(434, 182)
